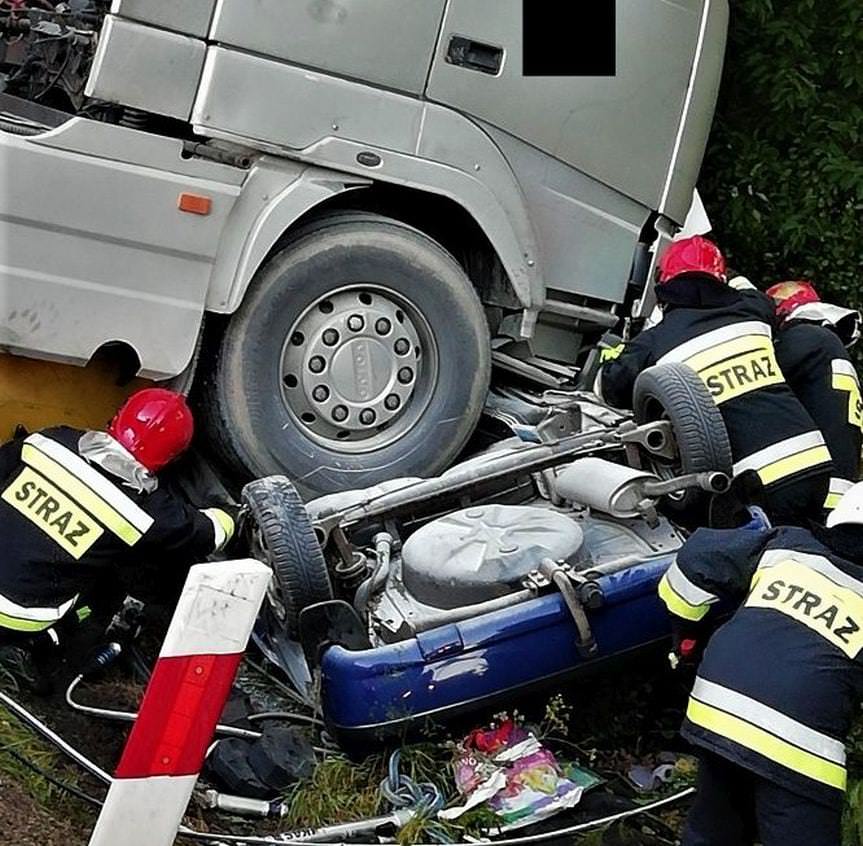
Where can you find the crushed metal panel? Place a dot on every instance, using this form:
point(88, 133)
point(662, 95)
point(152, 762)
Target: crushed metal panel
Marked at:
point(385, 42)
point(191, 17)
point(146, 68)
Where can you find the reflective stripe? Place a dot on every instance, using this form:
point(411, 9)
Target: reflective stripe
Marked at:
point(845, 380)
point(677, 605)
point(20, 618)
point(686, 589)
point(769, 719)
point(223, 526)
point(818, 563)
point(94, 480)
point(17, 625)
point(838, 488)
point(786, 457)
point(741, 283)
point(715, 337)
point(764, 743)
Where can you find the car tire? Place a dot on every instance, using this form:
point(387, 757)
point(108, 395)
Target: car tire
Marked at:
point(278, 531)
point(261, 404)
point(674, 392)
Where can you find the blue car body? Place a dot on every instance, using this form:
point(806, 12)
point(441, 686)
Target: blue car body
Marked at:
point(442, 671)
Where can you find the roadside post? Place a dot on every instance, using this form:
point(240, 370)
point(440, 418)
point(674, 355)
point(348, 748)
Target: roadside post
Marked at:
point(182, 704)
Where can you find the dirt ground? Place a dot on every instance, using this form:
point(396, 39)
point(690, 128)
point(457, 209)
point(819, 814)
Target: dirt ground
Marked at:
point(22, 818)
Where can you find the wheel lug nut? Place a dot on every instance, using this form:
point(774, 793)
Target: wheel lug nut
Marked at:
point(355, 322)
point(367, 417)
point(340, 414)
point(392, 402)
point(406, 375)
point(317, 364)
point(321, 393)
point(402, 346)
point(331, 337)
point(383, 326)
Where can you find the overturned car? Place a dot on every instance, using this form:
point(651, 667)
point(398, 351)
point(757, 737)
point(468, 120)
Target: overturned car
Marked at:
point(420, 599)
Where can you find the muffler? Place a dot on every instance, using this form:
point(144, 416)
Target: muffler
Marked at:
point(625, 492)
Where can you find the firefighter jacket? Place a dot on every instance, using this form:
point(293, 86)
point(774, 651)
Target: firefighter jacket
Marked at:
point(819, 371)
point(726, 337)
point(65, 522)
point(781, 681)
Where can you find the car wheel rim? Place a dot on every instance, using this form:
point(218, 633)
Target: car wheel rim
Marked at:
point(358, 368)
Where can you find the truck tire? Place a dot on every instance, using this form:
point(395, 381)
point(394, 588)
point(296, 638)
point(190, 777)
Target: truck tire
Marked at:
point(674, 392)
point(278, 531)
point(360, 353)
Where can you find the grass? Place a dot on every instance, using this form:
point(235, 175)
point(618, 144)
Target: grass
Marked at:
point(16, 737)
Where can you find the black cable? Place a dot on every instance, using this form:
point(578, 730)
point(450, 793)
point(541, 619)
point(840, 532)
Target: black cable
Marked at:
point(69, 788)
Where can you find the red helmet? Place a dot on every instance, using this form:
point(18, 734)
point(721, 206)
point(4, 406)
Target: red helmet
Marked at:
point(789, 295)
point(154, 425)
point(691, 255)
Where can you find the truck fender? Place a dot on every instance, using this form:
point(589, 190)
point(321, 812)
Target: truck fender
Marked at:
point(277, 193)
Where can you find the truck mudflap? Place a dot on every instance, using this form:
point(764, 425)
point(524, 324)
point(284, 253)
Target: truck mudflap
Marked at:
point(369, 694)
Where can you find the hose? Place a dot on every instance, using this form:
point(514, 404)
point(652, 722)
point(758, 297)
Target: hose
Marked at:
point(82, 760)
point(131, 716)
point(509, 841)
point(52, 737)
point(68, 788)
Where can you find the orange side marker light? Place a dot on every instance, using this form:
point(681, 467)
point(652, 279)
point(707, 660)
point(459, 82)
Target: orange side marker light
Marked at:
point(195, 204)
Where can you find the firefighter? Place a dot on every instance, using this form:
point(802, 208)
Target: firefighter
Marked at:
point(725, 335)
point(76, 506)
point(811, 351)
point(780, 683)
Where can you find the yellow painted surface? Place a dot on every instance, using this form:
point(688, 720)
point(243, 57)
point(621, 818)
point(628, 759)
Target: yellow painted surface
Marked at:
point(37, 394)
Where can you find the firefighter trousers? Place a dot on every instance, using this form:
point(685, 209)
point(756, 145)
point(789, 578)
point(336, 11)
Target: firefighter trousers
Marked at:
point(735, 807)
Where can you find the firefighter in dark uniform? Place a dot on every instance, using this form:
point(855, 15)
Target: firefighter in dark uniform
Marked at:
point(811, 351)
point(725, 335)
point(780, 683)
point(75, 506)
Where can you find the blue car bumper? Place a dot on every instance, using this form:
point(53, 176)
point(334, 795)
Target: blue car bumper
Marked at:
point(475, 662)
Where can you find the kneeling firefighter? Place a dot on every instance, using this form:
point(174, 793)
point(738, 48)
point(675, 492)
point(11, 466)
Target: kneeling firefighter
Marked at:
point(726, 336)
point(77, 506)
point(780, 683)
point(811, 350)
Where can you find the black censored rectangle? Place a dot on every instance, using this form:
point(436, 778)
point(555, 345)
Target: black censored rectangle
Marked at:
point(569, 37)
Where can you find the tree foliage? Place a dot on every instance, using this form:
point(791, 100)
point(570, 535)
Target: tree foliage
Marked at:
point(783, 177)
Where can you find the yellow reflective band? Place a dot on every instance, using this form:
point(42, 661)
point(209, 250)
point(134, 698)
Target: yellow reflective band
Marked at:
point(82, 494)
point(610, 353)
point(18, 625)
point(677, 605)
point(846, 383)
point(812, 599)
point(792, 464)
point(54, 513)
point(832, 501)
point(737, 367)
point(771, 747)
point(727, 349)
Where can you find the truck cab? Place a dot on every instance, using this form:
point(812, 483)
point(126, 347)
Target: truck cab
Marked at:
point(336, 222)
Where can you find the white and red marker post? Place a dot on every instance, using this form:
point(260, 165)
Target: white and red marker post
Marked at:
point(182, 704)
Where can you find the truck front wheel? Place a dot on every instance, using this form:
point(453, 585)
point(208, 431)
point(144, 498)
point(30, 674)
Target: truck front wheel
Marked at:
point(360, 353)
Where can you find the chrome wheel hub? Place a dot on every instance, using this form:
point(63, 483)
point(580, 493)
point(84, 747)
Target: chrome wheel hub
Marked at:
point(354, 367)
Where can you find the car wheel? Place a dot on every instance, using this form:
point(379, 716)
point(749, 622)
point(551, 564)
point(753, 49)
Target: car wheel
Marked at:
point(675, 393)
point(360, 353)
point(277, 531)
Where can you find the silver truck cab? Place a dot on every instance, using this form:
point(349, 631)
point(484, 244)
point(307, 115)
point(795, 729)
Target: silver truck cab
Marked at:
point(336, 216)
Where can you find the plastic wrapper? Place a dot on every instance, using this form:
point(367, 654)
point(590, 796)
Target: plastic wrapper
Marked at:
point(518, 778)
